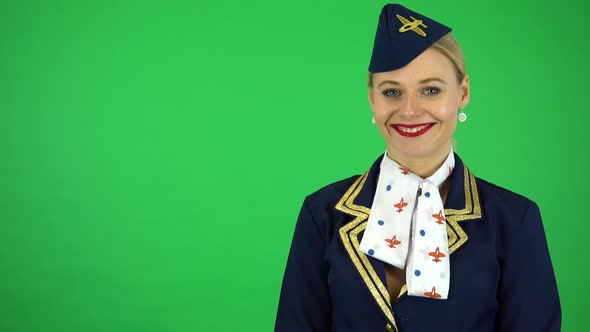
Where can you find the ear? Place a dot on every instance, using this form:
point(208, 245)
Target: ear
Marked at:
point(465, 92)
point(371, 100)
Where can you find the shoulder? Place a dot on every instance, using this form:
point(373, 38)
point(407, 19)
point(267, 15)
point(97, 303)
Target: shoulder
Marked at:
point(319, 207)
point(502, 200)
point(515, 220)
point(330, 194)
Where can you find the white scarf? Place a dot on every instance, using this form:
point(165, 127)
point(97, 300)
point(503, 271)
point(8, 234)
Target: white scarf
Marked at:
point(407, 224)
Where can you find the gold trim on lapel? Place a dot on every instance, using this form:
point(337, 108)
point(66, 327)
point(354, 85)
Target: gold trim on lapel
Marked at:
point(471, 211)
point(350, 231)
point(349, 236)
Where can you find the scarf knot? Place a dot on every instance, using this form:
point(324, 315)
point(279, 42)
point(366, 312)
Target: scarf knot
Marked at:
point(407, 227)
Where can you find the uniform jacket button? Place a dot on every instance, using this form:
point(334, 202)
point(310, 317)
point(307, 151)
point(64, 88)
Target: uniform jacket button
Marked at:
point(389, 327)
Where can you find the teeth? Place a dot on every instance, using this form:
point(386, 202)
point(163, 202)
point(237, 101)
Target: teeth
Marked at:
point(412, 130)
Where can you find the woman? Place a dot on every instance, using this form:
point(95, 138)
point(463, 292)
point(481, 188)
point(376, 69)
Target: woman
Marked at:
point(418, 243)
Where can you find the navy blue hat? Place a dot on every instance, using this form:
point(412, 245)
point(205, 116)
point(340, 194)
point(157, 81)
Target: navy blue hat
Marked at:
point(401, 36)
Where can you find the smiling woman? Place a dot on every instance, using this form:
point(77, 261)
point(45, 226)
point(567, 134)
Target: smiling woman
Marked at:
point(418, 242)
point(415, 110)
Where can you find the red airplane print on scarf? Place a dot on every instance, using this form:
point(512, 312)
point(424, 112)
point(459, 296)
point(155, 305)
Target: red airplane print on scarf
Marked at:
point(439, 217)
point(401, 205)
point(393, 242)
point(432, 294)
point(437, 255)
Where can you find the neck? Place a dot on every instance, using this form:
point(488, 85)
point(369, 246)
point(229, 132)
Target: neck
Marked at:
point(423, 166)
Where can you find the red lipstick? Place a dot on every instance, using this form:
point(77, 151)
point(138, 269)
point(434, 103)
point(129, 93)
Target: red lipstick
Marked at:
point(412, 130)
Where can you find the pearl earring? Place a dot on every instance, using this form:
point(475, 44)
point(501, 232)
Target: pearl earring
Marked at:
point(462, 116)
point(373, 120)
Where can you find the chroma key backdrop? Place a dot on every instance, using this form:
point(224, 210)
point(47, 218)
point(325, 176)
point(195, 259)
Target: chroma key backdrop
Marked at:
point(154, 154)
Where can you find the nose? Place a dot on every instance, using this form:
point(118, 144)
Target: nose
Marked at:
point(410, 108)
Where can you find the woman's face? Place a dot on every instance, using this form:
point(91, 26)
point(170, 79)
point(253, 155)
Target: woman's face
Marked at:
point(415, 107)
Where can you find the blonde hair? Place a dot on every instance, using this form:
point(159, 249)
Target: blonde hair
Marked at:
point(449, 47)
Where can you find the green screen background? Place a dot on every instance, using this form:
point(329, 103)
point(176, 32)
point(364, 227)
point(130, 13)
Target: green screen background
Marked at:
point(154, 154)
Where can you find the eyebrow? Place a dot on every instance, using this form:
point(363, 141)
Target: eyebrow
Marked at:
point(433, 79)
point(427, 80)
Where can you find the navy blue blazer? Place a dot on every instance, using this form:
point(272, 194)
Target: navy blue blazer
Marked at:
point(501, 273)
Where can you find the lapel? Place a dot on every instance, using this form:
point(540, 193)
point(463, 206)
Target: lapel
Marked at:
point(462, 205)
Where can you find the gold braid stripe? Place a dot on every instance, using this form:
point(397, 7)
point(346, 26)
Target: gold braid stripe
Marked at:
point(348, 197)
point(469, 188)
point(353, 236)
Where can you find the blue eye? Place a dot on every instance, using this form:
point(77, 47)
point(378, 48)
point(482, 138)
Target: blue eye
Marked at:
point(391, 93)
point(431, 91)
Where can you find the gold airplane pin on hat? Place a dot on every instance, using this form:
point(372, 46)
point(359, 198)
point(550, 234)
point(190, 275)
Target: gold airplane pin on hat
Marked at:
point(414, 25)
